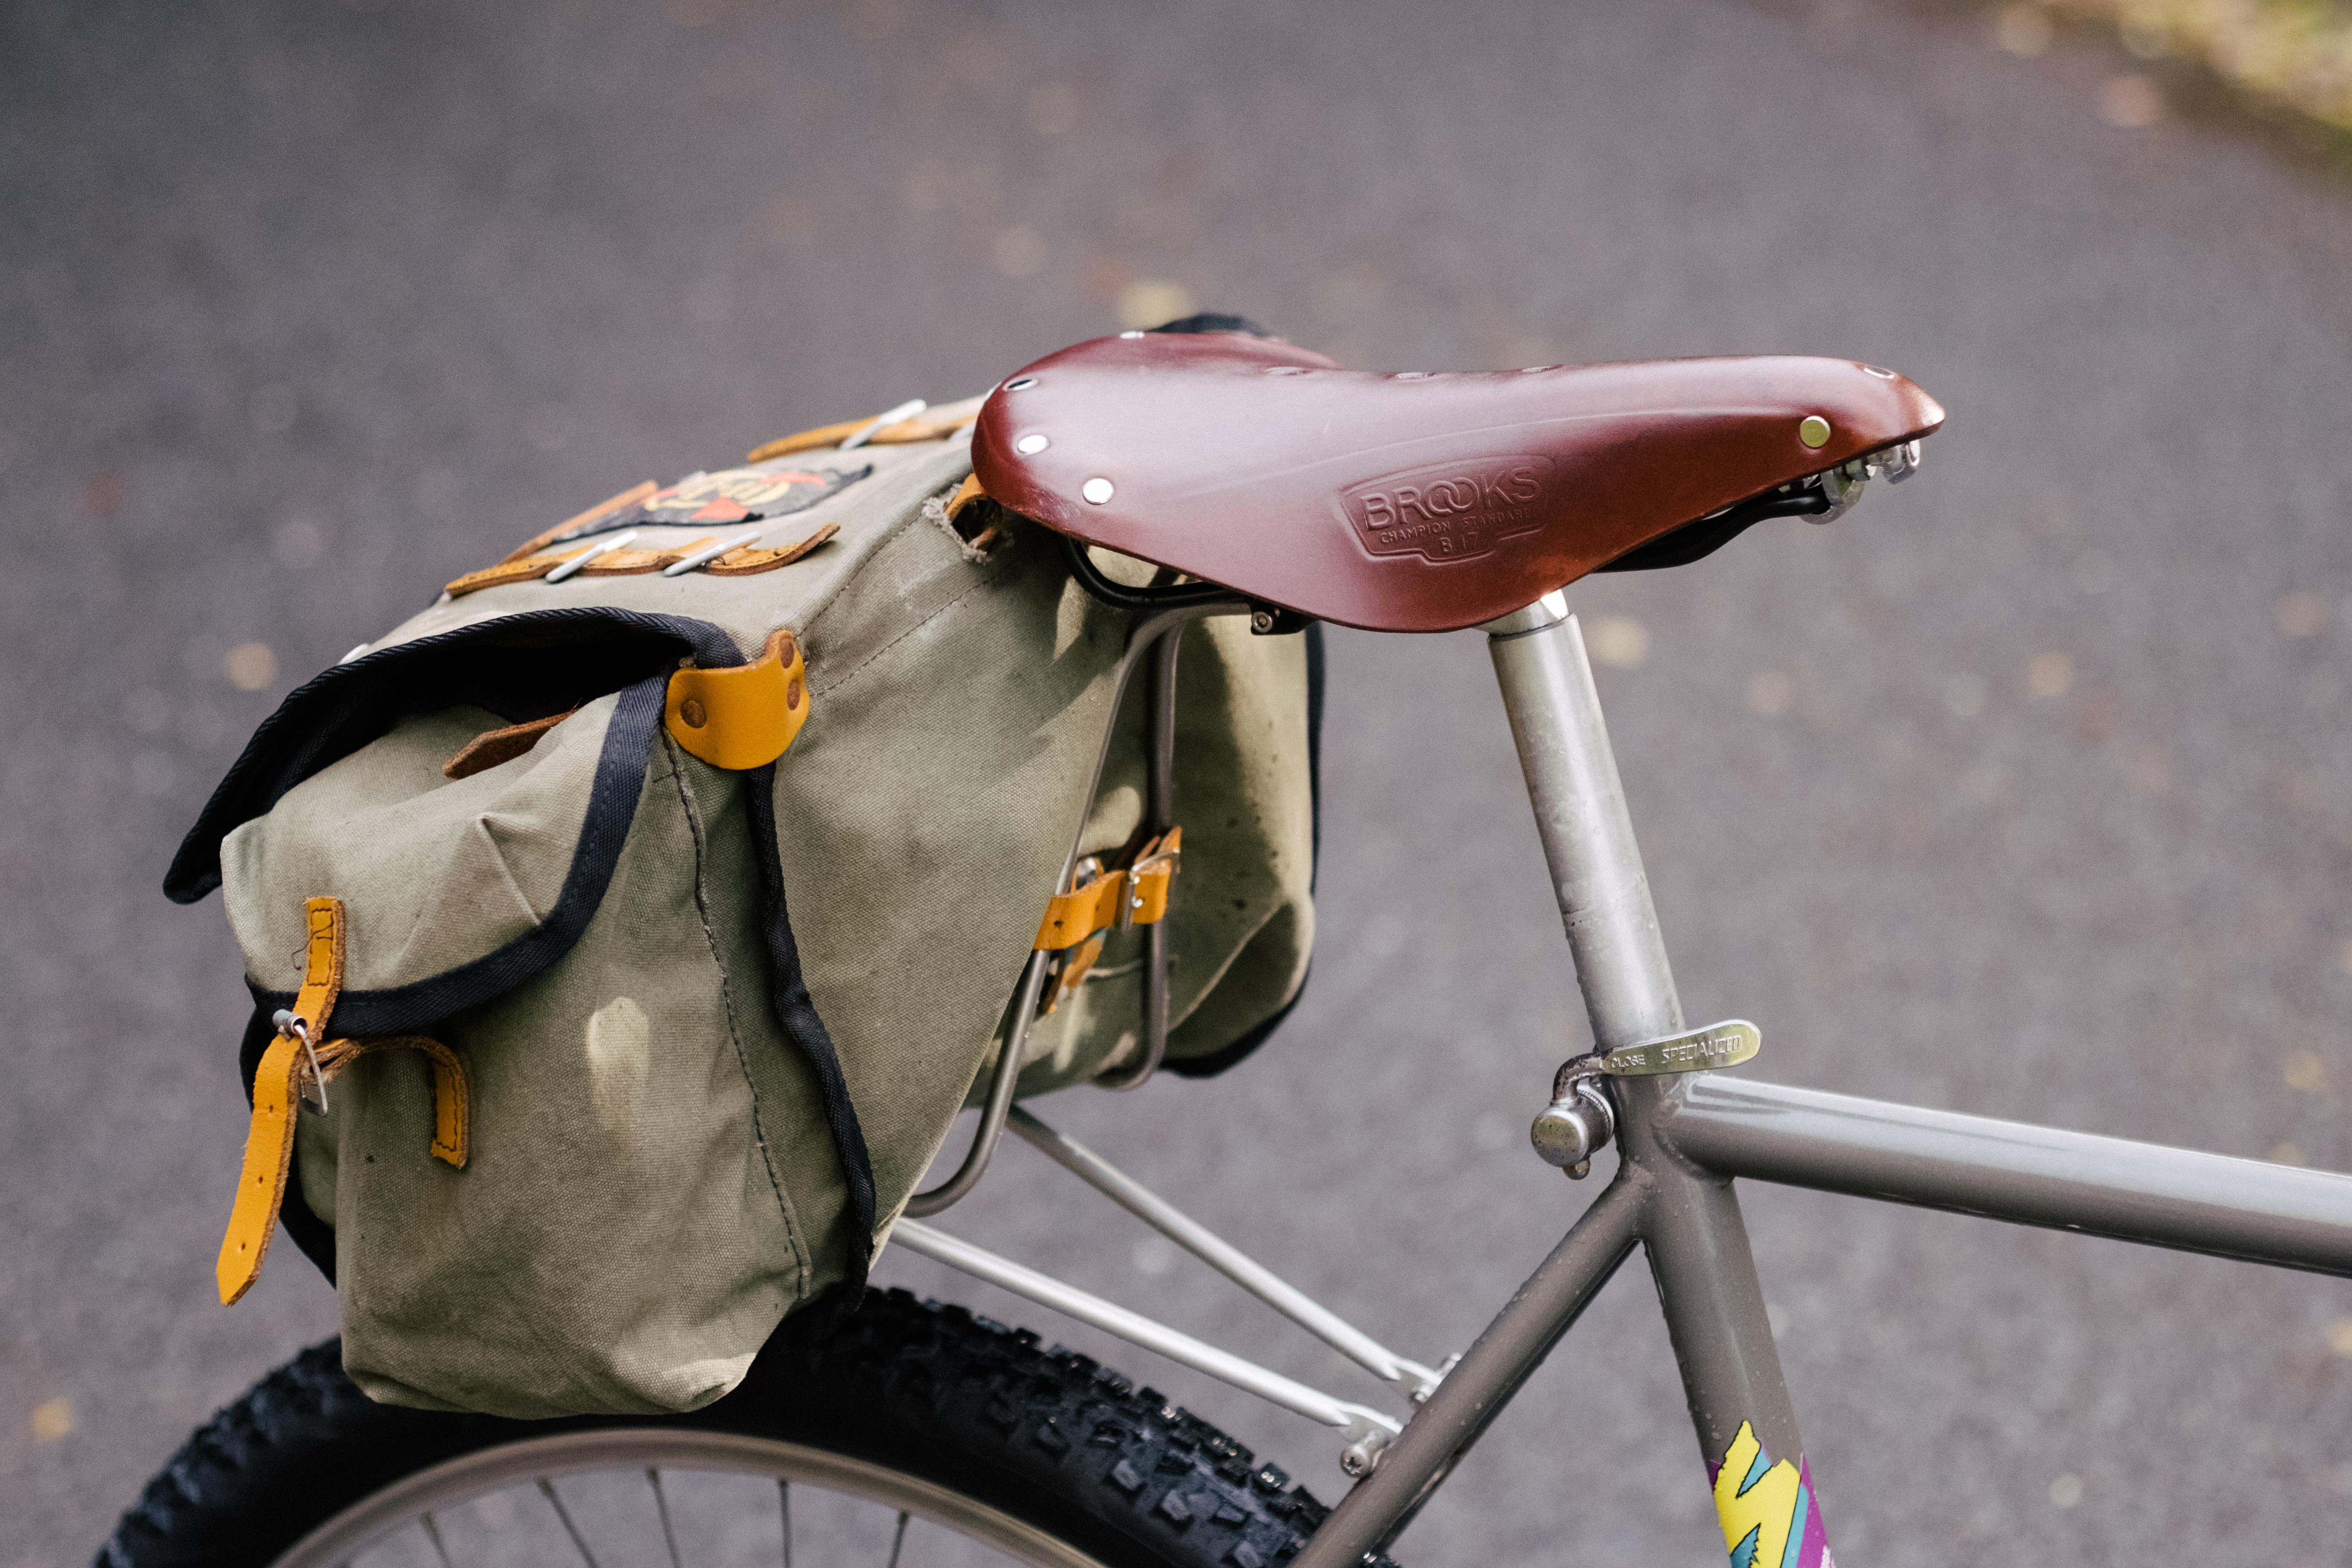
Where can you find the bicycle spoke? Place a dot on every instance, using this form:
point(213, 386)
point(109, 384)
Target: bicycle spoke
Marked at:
point(661, 1503)
point(898, 1542)
point(784, 1507)
point(433, 1534)
point(547, 1490)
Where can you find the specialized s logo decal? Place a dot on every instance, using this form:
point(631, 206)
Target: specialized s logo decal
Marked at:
point(1769, 1516)
point(1450, 511)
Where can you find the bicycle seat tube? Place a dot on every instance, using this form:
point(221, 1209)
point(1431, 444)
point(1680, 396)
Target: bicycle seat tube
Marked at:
point(1696, 1243)
point(1687, 1219)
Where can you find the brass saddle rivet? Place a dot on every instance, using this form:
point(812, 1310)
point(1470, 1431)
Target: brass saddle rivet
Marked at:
point(691, 714)
point(1813, 431)
point(793, 696)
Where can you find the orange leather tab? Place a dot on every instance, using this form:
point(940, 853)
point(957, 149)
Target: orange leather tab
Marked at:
point(614, 563)
point(322, 964)
point(491, 747)
point(930, 425)
point(1148, 879)
point(452, 1104)
point(261, 1183)
point(1072, 973)
point(513, 569)
point(749, 562)
point(832, 435)
point(742, 716)
point(966, 493)
point(622, 502)
point(1139, 894)
point(1072, 917)
point(277, 1083)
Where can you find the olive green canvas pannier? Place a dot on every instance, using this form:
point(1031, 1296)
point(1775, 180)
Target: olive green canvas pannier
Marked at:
point(656, 923)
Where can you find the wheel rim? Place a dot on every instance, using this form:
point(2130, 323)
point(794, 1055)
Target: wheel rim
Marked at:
point(376, 1526)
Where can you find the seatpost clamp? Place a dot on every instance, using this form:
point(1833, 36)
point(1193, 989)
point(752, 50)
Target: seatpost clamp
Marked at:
point(1580, 1119)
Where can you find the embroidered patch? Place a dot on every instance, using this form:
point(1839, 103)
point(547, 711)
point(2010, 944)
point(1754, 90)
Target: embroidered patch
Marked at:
point(763, 491)
point(1770, 1517)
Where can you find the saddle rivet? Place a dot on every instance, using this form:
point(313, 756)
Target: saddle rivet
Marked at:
point(1095, 490)
point(691, 714)
point(1030, 446)
point(1813, 430)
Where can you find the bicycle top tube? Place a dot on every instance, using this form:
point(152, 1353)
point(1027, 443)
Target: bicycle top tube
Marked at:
point(1408, 501)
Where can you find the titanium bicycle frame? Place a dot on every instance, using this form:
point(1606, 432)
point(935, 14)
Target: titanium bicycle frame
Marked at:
point(1681, 1140)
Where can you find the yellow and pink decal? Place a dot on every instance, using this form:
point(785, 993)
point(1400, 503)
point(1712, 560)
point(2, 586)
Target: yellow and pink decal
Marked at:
point(1769, 1516)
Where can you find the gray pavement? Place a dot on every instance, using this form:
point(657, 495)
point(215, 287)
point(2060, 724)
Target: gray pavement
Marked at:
point(2026, 790)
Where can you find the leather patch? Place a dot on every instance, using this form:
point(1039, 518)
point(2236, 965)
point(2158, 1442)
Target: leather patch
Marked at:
point(1450, 511)
point(743, 717)
point(589, 522)
point(524, 569)
point(966, 493)
point(491, 747)
point(750, 561)
point(930, 425)
point(612, 563)
point(452, 1102)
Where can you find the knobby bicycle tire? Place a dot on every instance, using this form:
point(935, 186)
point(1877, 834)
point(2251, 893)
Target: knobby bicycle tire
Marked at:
point(923, 1407)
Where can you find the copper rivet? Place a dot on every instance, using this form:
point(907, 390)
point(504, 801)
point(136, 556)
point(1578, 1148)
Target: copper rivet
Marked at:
point(785, 648)
point(793, 696)
point(1813, 430)
point(691, 713)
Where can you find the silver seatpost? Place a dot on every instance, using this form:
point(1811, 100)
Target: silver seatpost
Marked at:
point(1588, 836)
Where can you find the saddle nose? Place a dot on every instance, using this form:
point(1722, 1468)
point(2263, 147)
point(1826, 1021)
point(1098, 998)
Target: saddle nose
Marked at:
point(1404, 500)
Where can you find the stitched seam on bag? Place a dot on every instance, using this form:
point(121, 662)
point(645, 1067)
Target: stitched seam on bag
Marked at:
point(851, 674)
point(727, 998)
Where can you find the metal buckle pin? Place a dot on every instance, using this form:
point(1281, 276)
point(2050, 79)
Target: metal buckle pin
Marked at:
point(292, 1024)
point(709, 552)
point(577, 562)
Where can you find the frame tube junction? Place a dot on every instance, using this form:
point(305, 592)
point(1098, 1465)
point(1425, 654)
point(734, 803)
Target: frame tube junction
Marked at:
point(1408, 1377)
point(2246, 1209)
point(1355, 1421)
point(1691, 1224)
point(1490, 1371)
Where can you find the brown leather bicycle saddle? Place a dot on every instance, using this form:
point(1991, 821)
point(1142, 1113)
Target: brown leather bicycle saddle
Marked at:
point(1403, 501)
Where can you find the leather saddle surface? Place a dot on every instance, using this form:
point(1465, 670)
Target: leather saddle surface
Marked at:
point(1405, 501)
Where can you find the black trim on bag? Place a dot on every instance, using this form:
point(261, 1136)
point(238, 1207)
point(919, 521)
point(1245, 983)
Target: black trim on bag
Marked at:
point(788, 994)
point(613, 803)
point(550, 660)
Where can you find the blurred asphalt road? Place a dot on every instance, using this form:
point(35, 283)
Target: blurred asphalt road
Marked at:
point(2026, 790)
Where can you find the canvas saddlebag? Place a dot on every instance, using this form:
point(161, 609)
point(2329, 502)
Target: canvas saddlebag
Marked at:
point(624, 946)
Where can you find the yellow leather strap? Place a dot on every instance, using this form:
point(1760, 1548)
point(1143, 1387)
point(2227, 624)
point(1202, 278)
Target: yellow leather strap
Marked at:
point(742, 716)
point(452, 1104)
point(966, 493)
point(1071, 972)
point(930, 425)
point(1135, 896)
point(529, 568)
point(269, 1140)
point(750, 561)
